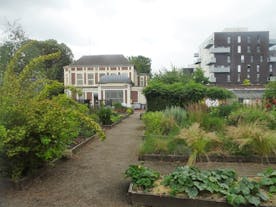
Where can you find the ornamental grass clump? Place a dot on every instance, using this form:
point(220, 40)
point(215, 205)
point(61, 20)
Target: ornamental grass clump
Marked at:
point(253, 139)
point(199, 141)
point(178, 114)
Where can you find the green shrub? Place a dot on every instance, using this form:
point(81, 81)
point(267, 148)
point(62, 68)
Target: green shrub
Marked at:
point(129, 111)
point(154, 145)
point(224, 110)
point(268, 180)
point(142, 177)
point(250, 114)
point(179, 115)
point(211, 123)
point(104, 114)
point(178, 146)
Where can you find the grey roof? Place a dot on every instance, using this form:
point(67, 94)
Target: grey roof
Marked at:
point(249, 94)
point(101, 60)
point(114, 79)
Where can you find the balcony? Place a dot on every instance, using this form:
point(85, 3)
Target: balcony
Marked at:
point(211, 60)
point(208, 43)
point(212, 79)
point(272, 42)
point(272, 59)
point(196, 55)
point(220, 69)
point(197, 61)
point(272, 78)
point(220, 50)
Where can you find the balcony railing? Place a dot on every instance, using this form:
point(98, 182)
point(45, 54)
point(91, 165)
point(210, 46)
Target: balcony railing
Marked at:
point(211, 60)
point(272, 59)
point(272, 78)
point(197, 61)
point(208, 43)
point(220, 50)
point(220, 69)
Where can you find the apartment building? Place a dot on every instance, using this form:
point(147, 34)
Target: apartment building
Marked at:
point(105, 78)
point(234, 55)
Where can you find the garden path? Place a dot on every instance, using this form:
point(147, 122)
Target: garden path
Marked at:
point(93, 177)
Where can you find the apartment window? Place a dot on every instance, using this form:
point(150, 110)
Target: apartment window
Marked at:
point(79, 79)
point(239, 77)
point(270, 68)
point(239, 49)
point(261, 59)
point(142, 83)
point(90, 79)
point(242, 58)
point(228, 40)
point(239, 39)
point(258, 77)
point(239, 68)
point(258, 49)
point(248, 68)
point(248, 76)
point(258, 68)
point(248, 39)
point(258, 39)
point(228, 59)
point(228, 78)
point(248, 49)
point(252, 59)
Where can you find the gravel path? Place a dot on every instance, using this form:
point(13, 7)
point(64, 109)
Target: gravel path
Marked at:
point(93, 177)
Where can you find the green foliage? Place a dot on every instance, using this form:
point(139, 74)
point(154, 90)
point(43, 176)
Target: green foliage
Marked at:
point(268, 180)
point(141, 64)
point(224, 110)
point(141, 176)
point(270, 90)
point(36, 124)
point(104, 114)
point(192, 181)
point(198, 77)
point(218, 93)
point(252, 114)
point(115, 117)
point(199, 141)
point(253, 139)
point(154, 144)
point(245, 192)
point(212, 123)
point(246, 82)
point(130, 111)
point(178, 114)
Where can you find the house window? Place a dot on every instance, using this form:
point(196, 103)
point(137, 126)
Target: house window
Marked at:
point(258, 49)
point(270, 68)
point(258, 68)
point(239, 49)
point(142, 83)
point(261, 59)
point(239, 77)
point(248, 49)
point(252, 59)
point(258, 77)
point(66, 79)
point(242, 58)
point(116, 96)
point(90, 78)
point(248, 68)
point(101, 75)
point(239, 39)
point(228, 40)
point(79, 79)
point(239, 68)
point(228, 59)
point(248, 39)
point(228, 78)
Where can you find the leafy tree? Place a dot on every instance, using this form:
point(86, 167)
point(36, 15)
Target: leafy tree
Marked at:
point(198, 76)
point(141, 63)
point(50, 69)
point(173, 76)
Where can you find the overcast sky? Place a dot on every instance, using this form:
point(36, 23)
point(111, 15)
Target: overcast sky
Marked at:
point(167, 31)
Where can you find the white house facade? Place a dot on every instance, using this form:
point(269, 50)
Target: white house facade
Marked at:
point(105, 78)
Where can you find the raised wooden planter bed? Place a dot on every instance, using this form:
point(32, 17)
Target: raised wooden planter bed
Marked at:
point(212, 158)
point(154, 200)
